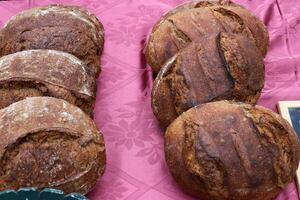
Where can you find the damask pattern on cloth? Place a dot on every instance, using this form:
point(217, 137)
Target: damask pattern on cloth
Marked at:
point(136, 168)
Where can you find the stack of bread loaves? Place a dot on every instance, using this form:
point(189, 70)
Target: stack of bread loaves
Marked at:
point(48, 69)
point(208, 57)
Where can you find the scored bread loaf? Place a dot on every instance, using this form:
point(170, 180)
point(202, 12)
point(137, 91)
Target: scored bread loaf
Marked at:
point(47, 142)
point(197, 20)
point(65, 28)
point(46, 73)
point(232, 151)
point(217, 68)
point(255, 25)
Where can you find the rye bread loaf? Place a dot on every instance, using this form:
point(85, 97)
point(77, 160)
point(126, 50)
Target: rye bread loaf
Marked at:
point(52, 73)
point(225, 67)
point(65, 28)
point(255, 25)
point(231, 151)
point(47, 142)
point(197, 20)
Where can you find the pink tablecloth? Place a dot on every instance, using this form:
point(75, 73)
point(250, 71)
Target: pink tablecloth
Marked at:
point(136, 168)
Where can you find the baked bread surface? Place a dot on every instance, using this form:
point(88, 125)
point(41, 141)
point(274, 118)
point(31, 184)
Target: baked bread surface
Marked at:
point(226, 150)
point(47, 142)
point(197, 20)
point(58, 27)
point(46, 73)
point(226, 67)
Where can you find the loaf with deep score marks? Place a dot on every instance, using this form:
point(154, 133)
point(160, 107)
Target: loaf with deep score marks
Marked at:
point(197, 20)
point(52, 73)
point(232, 151)
point(47, 142)
point(226, 67)
point(58, 27)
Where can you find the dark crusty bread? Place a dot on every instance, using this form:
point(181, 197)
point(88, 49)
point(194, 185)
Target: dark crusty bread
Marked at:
point(197, 20)
point(47, 142)
point(225, 67)
point(257, 28)
point(65, 28)
point(46, 73)
point(231, 151)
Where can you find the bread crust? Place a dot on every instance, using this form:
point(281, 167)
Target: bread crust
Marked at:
point(197, 20)
point(225, 67)
point(46, 73)
point(226, 150)
point(65, 28)
point(47, 142)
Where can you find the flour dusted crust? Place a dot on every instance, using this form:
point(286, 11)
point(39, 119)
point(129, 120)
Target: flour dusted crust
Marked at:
point(226, 150)
point(46, 73)
point(74, 12)
point(228, 66)
point(51, 66)
point(197, 20)
point(47, 142)
point(58, 27)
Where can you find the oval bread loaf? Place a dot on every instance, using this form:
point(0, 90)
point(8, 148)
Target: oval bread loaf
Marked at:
point(46, 73)
point(232, 151)
point(197, 20)
point(217, 68)
point(65, 28)
point(47, 142)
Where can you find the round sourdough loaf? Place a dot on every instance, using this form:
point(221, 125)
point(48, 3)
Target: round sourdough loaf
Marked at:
point(65, 28)
point(46, 73)
point(232, 151)
point(197, 20)
point(47, 142)
point(225, 67)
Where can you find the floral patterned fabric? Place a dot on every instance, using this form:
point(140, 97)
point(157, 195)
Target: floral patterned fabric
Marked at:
point(136, 168)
